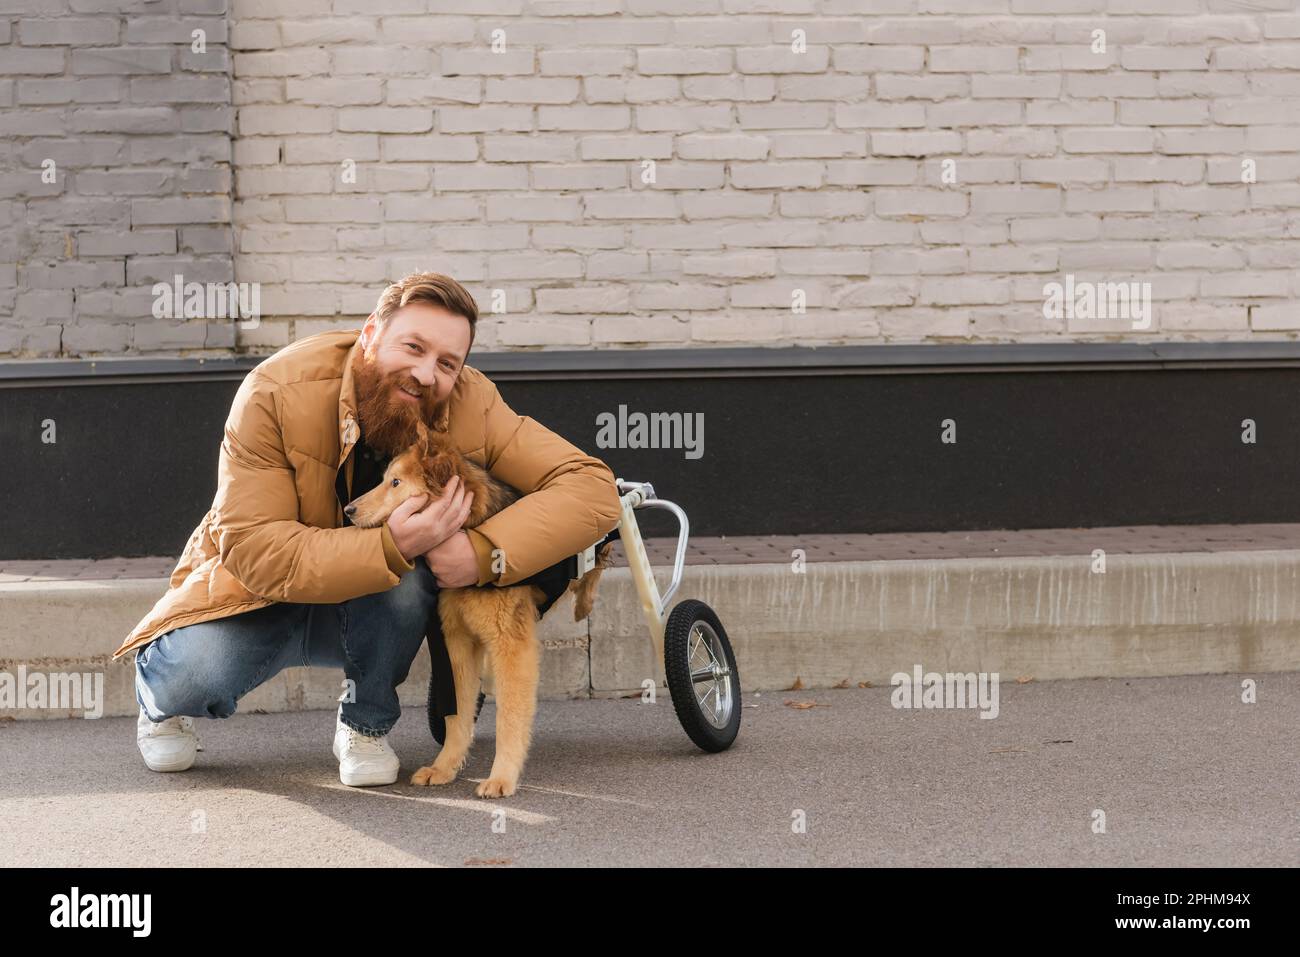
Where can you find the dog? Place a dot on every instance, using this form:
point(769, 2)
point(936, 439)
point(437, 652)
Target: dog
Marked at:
point(491, 631)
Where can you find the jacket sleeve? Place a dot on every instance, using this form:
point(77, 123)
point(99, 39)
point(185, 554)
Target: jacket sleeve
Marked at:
point(570, 499)
point(262, 543)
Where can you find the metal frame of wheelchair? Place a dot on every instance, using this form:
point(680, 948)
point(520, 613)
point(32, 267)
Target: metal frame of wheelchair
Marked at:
point(690, 651)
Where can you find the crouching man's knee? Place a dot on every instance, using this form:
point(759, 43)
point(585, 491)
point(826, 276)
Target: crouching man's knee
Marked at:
point(166, 687)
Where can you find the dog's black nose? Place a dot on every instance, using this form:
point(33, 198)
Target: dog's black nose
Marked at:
point(349, 510)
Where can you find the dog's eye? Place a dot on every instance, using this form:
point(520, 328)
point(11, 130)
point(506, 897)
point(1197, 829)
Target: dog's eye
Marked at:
point(395, 482)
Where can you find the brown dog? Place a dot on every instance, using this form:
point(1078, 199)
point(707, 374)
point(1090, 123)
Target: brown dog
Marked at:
point(492, 627)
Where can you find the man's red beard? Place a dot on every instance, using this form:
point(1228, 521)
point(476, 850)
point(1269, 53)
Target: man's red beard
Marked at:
point(388, 421)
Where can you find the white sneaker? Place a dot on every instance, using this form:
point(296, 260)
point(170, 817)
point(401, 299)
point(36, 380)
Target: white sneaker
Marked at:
point(167, 745)
point(363, 761)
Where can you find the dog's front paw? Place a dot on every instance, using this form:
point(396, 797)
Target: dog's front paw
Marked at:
point(432, 774)
point(496, 788)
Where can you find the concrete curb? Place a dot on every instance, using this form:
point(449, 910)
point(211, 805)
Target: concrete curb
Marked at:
point(1050, 617)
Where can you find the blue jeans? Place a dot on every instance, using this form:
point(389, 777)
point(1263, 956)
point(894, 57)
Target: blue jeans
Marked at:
point(202, 670)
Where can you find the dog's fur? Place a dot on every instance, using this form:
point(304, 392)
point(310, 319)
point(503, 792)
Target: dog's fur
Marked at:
point(489, 631)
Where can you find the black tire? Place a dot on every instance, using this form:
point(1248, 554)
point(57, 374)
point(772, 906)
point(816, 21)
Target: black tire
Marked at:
point(677, 670)
point(438, 724)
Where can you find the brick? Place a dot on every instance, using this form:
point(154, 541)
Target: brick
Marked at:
point(1272, 56)
point(199, 240)
point(304, 62)
point(1064, 171)
point(781, 59)
point(804, 145)
point(1163, 112)
point(1198, 256)
point(995, 86)
point(915, 144)
point(1020, 142)
point(72, 275)
point(480, 62)
point(1165, 58)
point(169, 30)
point(335, 209)
point(707, 146)
point(878, 59)
point(1147, 169)
point(680, 62)
point(122, 182)
point(994, 199)
point(1267, 318)
point(1111, 85)
point(94, 339)
point(879, 115)
point(1126, 199)
point(331, 91)
point(68, 31)
point(1069, 113)
point(980, 113)
point(421, 91)
point(335, 148)
point(783, 116)
point(626, 147)
point(1246, 285)
point(37, 61)
point(891, 86)
point(920, 202)
point(425, 30)
point(479, 176)
point(160, 335)
point(965, 291)
point(1107, 141)
point(1055, 59)
point(495, 118)
point(119, 60)
point(139, 242)
point(180, 89)
point(530, 90)
point(254, 35)
point(973, 59)
point(184, 211)
point(385, 119)
point(777, 175)
point(1201, 141)
point(324, 31)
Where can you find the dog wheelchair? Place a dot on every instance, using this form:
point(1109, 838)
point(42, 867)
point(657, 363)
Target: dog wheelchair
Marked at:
point(690, 650)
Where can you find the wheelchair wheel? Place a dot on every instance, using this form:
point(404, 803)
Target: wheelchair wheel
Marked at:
point(437, 723)
point(702, 676)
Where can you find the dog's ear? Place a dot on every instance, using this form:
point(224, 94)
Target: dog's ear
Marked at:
point(438, 468)
point(423, 441)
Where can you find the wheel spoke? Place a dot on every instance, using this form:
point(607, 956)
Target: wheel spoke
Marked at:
point(695, 647)
point(713, 659)
point(704, 700)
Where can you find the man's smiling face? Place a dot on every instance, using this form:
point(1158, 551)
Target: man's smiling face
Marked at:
point(407, 370)
point(423, 346)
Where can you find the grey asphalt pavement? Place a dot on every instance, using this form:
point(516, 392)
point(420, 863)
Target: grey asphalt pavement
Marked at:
point(1185, 773)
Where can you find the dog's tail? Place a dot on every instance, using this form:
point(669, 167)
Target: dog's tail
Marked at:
point(584, 589)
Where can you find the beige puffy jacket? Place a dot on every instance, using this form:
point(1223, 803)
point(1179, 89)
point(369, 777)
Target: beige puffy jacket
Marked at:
point(275, 529)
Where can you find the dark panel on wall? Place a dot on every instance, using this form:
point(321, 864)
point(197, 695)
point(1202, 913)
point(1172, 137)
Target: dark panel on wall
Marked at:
point(134, 466)
point(132, 471)
point(1034, 449)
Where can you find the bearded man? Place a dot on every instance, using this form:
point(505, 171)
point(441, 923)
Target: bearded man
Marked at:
point(276, 576)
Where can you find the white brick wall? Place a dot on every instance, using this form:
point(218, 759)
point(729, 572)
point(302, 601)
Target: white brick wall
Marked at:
point(133, 125)
point(635, 173)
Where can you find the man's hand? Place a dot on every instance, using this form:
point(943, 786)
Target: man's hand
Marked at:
point(454, 563)
point(416, 528)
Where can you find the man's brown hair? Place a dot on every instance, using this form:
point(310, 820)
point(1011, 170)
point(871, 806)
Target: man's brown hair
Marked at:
point(430, 287)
